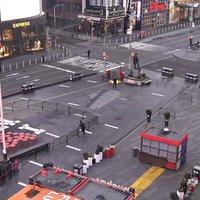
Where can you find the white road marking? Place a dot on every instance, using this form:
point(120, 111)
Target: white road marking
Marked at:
point(75, 91)
point(35, 163)
point(26, 99)
point(111, 126)
point(53, 135)
point(80, 115)
point(73, 104)
point(66, 86)
point(160, 95)
point(35, 80)
point(89, 132)
point(22, 184)
point(89, 81)
point(7, 108)
point(58, 68)
point(23, 77)
point(123, 99)
point(172, 51)
point(74, 148)
point(13, 74)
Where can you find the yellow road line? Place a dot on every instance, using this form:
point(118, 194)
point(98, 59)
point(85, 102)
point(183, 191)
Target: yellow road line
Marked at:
point(146, 179)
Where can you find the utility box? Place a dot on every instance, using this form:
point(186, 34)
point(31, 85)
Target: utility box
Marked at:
point(167, 72)
point(192, 78)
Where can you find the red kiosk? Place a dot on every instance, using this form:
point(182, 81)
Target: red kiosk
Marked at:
point(163, 147)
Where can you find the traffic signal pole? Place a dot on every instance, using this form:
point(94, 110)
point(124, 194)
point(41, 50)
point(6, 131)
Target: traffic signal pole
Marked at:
point(2, 126)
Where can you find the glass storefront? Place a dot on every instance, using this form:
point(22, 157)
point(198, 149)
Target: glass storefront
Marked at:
point(20, 37)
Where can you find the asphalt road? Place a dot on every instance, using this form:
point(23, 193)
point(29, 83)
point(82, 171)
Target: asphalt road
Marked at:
point(123, 109)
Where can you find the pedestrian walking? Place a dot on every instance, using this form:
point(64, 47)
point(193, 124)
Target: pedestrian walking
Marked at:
point(82, 126)
point(114, 82)
point(136, 61)
point(88, 54)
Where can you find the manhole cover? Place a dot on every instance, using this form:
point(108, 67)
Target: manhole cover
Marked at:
point(118, 118)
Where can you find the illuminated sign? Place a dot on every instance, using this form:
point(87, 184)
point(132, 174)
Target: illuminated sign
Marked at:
point(155, 6)
point(22, 24)
point(19, 9)
point(97, 8)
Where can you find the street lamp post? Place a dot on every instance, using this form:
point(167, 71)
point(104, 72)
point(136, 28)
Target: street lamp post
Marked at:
point(54, 17)
point(54, 13)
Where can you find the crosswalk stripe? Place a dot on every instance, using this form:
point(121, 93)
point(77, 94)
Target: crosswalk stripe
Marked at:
point(146, 47)
point(90, 64)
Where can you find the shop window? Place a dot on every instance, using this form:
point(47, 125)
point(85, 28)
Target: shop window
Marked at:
point(171, 157)
point(154, 151)
point(146, 142)
point(172, 148)
point(24, 32)
point(67, 6)
point(146, 149)
point(163, 146)
point(7, 35)
point(154, 144)
point(163, 153)
point(76, 7)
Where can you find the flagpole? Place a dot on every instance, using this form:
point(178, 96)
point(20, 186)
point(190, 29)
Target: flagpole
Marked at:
point(2, 126)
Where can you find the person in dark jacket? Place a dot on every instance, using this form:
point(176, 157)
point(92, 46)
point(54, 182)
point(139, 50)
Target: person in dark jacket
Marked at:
point(88, 54)
point(82, 126)
point(136, 61)
point(114, 82)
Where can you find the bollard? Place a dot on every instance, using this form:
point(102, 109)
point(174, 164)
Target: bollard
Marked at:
point(63, 48)
point(122, 40)
point(57, 56)
point(36, 61)
point(29, 62)
point(23, 64)
point(3, 69)
point(53, 57)
point(135, 152)
point(16, 65)
point(49, 58)
point(10, 67)
point(43, 105)
point(125, 39)
point(59, 46)
point(109, 41)
point(99, 39)
point(63, 55)
point(41, 60)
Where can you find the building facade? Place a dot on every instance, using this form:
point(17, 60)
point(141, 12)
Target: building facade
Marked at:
point(22, 31)
point(64, 12)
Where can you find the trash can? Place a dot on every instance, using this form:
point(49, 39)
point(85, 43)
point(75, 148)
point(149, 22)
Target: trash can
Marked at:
point(135, 152)
point(78, 168)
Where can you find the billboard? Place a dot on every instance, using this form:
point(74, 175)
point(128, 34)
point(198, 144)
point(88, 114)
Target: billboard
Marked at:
point(19, 9)
point(97, 8)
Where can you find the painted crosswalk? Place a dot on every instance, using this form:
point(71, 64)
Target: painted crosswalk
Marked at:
point(90, 64)
point(146, 47)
